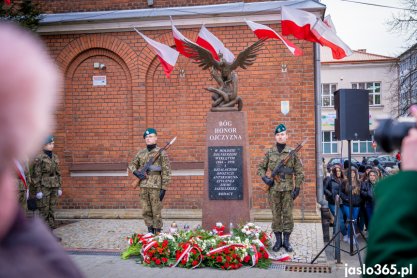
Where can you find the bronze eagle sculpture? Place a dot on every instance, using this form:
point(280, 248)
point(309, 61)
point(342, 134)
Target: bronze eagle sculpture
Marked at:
point(225, 97)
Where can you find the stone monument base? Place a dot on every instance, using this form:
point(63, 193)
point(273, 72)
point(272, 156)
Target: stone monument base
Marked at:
point(227, 195)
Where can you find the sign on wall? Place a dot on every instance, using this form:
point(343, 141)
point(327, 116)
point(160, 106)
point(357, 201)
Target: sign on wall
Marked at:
point(99, 80)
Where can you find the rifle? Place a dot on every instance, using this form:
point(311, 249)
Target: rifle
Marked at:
point(280, 169)
point(145, 169)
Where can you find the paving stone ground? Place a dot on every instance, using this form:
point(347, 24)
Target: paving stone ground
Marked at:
point(110, 234)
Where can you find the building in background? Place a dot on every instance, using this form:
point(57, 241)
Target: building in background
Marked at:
point(361, 70)
point(115, 88)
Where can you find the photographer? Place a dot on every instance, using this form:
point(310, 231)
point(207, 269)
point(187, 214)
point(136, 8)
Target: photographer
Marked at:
point(393, 229)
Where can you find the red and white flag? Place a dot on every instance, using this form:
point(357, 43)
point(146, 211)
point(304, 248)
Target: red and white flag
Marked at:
point(21, 173)
point(298, 23)
point(166, 55)
point(179, 40)
point(327, 37)
point(263, 31)
point(210, 42)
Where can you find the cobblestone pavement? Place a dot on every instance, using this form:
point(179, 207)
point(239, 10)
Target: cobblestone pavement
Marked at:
point(110, 234)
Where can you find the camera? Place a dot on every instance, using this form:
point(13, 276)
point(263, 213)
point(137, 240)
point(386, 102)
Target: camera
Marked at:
point(390, 133)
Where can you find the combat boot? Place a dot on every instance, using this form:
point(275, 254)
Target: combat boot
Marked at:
point(278, 242)
point(151, 230)
point(286, 243)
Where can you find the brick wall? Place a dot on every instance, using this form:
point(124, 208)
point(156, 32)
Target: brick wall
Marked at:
point(105, 124)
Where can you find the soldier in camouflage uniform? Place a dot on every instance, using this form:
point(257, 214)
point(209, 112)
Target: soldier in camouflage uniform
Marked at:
point(46, 180)
point(282, 192)
point(153, 184)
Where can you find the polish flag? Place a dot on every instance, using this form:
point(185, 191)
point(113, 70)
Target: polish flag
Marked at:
point(298, 23)
point(166, 55)
point(179, 41)
point(263, 31)
point(21, 173)
point(327, 37)
point(210, 42)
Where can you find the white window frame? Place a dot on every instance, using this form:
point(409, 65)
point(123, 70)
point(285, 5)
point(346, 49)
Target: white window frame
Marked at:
point(333, 143)
point(329, 93)
point(371, 87)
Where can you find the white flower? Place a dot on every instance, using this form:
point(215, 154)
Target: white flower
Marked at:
point(219, 224)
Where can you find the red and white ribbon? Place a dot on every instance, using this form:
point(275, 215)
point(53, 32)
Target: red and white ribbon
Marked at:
point(255, 256)
point(148, 246)
point(284, 257)
point(220, 249)
point(185, 254)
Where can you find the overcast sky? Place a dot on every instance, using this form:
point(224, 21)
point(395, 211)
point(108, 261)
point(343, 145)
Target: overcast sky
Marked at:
point(364, 26)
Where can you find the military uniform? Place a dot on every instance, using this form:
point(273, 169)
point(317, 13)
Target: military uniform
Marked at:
point(150, 188)
point(46, 178)
point(282, 191)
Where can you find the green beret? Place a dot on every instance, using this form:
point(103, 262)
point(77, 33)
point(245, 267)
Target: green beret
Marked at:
point(50, 139)
point(149, 131)
point(280, 128)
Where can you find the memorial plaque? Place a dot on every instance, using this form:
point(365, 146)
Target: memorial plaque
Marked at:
point(225, 173)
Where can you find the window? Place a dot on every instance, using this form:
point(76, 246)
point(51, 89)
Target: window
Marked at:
point(374, 91)
point(329, 145)
point(327, 98)
point(364, 146)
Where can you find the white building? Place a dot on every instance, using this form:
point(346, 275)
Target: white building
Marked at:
point(361, 70)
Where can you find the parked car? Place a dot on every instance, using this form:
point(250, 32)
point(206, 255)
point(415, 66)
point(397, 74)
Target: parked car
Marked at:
point(387, 161)
point(341, 161)
point(384, 160)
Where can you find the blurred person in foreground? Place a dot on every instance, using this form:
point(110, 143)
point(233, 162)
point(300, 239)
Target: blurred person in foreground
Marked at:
point(393, 228)
point(29, 83)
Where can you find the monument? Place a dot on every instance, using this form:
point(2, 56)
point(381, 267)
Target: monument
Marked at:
point(227, 194)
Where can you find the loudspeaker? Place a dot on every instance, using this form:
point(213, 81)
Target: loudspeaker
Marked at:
point(352, 114)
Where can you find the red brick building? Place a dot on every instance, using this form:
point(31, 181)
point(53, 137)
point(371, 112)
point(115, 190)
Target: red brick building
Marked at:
point(100, 128)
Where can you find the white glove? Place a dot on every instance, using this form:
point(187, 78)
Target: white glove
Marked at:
point(59, 192)
point(39, 195)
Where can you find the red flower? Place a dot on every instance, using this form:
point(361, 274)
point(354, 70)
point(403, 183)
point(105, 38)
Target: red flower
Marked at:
point(219, 259)
point(164, 260)
point(165, 243)
point(266, 256)
point(194, 251)
point(226, 251)
point(158, 261)
point(194, 263)
point(226, 265)
point(234, 256)
point(184, 261)
point(228, 259)
point(246, 259)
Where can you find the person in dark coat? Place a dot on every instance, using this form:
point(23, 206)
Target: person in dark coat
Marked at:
point(367, 193)
point(332, 187)
point(356, 198)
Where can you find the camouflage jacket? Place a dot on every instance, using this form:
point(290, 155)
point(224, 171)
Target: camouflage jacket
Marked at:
point(155, 179)
point(272, 159)
point(46, 172)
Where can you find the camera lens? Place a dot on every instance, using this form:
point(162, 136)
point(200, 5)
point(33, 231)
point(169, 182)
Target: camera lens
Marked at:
point(390, 133)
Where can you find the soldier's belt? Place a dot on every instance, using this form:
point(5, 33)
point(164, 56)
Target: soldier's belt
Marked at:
point(154, 173)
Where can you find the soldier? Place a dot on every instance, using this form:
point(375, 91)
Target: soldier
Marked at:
point(153, 184)
point(47, 181)
point(282, 193)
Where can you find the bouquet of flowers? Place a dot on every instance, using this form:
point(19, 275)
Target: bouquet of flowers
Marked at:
point(247, 245)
